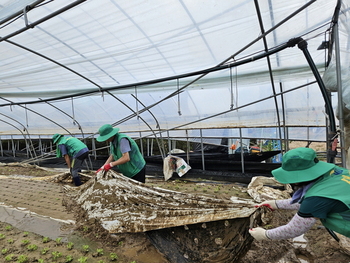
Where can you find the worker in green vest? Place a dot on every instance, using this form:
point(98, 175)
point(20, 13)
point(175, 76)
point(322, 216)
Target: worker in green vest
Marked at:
point(74, 152)
point(125, 154)
point(321, 192)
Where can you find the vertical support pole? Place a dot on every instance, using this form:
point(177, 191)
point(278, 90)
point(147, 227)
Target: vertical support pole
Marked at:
point(93, 146)
point(188, 147)
point(147, 144)
point(141, 144)
point(340, 95)
point(202, 150)
point(169, 143)
point(13, 147)
point(1, 148)
point(27, 148)
point(242, 150)
point(40, 146)
point(152, 146)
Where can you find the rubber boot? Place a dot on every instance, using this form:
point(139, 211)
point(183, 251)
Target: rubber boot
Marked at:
point(77, 181)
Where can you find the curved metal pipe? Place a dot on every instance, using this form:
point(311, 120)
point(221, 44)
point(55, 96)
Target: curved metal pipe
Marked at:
point(116, 123)
point(31, 25)
point(25, 129)
point(82, 133)
point(39, 115)
point(18, 13)
point(18, 130)
point(328, 104)
point(202, 73)
point(160, 146)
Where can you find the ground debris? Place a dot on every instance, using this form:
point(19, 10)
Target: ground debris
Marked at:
point(123, 205)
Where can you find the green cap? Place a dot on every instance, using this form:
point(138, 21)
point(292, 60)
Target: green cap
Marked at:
point(301, 165)
point(106, 132)
point(56, 137)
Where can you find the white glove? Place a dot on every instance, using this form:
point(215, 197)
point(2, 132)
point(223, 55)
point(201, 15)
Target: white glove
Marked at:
point(258, 233)
point(270, 204)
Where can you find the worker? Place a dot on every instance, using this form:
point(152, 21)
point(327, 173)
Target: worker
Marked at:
point(321, 191)
point(125, 154)
point(74, 152)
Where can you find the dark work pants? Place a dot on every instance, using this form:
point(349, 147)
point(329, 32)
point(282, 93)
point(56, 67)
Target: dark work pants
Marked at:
point(77, 163)
point(141, 175)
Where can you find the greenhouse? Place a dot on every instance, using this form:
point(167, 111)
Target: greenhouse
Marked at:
point(194, 71)
point(207, 97)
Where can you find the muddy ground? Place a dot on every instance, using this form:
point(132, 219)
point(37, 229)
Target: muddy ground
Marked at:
point(23, 187)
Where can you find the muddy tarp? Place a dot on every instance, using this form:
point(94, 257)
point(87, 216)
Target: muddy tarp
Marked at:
point(123, 205)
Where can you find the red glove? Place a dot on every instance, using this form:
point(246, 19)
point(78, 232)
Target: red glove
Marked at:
point(108, 166)
point(269, 204)
point(99, 170)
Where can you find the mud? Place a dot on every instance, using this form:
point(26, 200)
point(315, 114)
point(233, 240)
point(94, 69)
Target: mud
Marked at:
point(30, 205)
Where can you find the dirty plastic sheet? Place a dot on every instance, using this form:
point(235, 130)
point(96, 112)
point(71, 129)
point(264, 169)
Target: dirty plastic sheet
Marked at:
point(263, 188)
point(122, 205)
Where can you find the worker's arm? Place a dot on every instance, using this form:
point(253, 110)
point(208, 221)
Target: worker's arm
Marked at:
point(110, 159)
point(67, 159)
point(124, 159)
point(296, 227)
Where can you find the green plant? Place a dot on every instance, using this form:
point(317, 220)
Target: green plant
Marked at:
point(69, 258)
point(8, 228)
point(70, 245)
point(85, 229)
point(99, 251)
point(2, 236)
point(133, 261)
point(22, 259)
point(120, 243)
point(9, 257)
point(217, 189)
point(113, 256)
point(86, 248)
point(25, 234)
point(44, 251)
point(10, 241)
point(32, 247)
point(40, 260)
point(56, 255)
point(25, 241)
point(4, 251)
point(100, 261)
point(46, 239)
point(82, 259)
point(58, 241)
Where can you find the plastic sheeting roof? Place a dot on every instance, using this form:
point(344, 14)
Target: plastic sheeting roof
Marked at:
point(149, 66)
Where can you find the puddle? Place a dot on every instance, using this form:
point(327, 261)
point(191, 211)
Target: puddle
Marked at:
point(26, 220)
point(31, 222)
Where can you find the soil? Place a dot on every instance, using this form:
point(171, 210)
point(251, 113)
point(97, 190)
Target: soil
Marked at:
point(24, 187)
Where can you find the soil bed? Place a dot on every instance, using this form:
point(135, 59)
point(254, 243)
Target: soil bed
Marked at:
point(18, 190)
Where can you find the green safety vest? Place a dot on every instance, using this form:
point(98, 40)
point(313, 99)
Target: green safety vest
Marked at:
point(334, 185)
point(136, 162)
point(72, 144)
